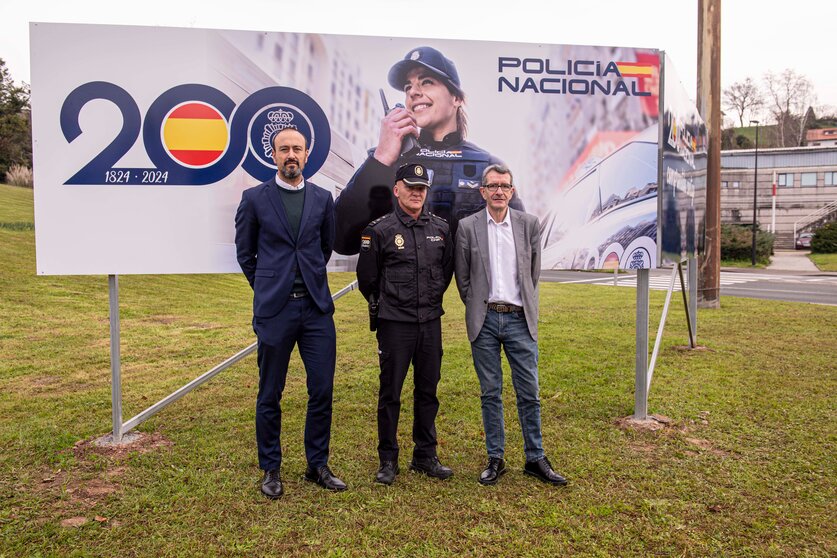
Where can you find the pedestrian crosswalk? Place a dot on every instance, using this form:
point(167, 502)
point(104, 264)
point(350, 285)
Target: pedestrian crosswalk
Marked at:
point(662, 282)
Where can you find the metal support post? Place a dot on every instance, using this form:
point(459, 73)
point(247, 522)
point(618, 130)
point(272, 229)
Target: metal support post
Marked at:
point(642, 312)
point(120, 429)
point(115, 363)
point(693, 287)
point(686, 305)
point(659, 338)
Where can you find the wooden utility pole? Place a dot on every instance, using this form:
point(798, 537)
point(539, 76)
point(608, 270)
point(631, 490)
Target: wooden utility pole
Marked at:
point(709, 106)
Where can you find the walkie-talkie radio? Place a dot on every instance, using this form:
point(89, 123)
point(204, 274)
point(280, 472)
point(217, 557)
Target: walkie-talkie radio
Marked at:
point(409, 142)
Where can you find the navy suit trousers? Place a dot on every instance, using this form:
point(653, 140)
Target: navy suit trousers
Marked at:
point(299, 323)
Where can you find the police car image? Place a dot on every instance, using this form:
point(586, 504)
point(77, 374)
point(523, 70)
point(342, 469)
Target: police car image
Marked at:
point(607, 218)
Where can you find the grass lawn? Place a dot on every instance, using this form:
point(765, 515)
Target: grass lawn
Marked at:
point(826, 262)
point(744, 264)
point(747, 467)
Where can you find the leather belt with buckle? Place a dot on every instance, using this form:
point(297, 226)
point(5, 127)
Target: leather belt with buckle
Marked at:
point(299, 295)
point(504, 308)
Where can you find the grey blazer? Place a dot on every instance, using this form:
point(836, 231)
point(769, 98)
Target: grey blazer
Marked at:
point(473, 273)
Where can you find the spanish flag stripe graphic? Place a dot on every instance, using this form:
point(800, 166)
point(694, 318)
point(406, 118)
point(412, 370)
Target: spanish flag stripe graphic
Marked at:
point(195, 134)
point(195, 157)
point(195, 110)
point(634, 70)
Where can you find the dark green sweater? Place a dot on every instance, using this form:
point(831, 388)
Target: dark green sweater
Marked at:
point(293, 201)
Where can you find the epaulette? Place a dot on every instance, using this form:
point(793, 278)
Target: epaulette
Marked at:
point(378, 220)
point(433, 215)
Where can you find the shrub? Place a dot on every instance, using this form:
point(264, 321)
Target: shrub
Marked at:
point(737, 243)
point(825, 239)
point(19, 175)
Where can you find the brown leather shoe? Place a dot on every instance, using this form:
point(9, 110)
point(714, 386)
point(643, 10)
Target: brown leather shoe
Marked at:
point(542, 470)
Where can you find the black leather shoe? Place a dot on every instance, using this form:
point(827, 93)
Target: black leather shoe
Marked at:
point(496, 467)
point(324, 477)
point(542, 469)
point(272, 484)
point(432, 467)
point(386, 474)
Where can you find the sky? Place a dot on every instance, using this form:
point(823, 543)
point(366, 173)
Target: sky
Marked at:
point(756, 36)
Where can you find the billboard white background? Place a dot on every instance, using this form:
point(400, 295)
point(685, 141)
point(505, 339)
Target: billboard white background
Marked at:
point(123, 229)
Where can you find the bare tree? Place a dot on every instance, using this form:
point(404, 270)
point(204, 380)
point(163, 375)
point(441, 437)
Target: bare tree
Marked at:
point(743, 96)
point(791, 94)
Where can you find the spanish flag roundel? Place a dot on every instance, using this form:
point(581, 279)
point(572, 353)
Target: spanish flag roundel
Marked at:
point(195, 134)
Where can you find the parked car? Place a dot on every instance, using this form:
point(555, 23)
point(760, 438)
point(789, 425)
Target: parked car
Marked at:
point(803, 241)
point(608, 217)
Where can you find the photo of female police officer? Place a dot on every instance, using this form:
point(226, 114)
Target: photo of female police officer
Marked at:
point(430, 128)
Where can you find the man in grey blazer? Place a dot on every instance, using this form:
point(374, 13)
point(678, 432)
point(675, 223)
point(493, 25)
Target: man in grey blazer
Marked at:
point(498, 259)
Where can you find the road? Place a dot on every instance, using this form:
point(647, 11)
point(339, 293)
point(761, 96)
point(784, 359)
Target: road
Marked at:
point(815, 288)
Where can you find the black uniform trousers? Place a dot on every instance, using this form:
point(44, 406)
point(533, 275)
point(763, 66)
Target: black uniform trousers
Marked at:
point(399, 344)
point(299, 323)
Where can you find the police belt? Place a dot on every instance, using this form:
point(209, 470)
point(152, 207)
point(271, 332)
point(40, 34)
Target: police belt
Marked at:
point(503, 308)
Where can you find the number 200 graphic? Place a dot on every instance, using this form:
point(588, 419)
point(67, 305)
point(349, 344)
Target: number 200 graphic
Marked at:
point(194, 135)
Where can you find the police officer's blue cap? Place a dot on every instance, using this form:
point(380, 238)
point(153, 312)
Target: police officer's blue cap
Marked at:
point(413, 174)
point(425, 57)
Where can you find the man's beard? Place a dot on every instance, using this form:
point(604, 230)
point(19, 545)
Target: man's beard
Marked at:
point(291, 174)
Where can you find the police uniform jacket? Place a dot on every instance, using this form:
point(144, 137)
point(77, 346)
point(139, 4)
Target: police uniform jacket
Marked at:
point(407, 264)
point(457, 167)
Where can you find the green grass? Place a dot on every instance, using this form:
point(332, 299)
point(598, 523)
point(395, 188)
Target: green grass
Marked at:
point(825, 262)
point(746, 469)
point(743, 264)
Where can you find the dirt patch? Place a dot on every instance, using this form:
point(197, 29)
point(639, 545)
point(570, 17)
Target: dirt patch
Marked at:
point(706, 446)
point(139, 442)
point(42, 381)
point(77, 521)
point(652, 423)
point(77, 491)
point(83, 494)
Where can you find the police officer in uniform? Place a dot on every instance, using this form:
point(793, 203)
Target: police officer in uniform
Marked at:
point(405, 266)
point(430, 130)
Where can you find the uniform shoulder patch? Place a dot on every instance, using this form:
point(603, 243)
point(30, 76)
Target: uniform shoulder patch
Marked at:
point(378, 220)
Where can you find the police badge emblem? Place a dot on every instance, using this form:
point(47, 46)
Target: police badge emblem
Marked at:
point(399, 241)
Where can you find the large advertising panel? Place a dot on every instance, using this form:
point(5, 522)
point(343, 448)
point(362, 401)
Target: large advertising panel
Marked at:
point(144, 138)
point(683, 199)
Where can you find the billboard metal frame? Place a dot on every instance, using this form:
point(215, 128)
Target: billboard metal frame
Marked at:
point(119, 428)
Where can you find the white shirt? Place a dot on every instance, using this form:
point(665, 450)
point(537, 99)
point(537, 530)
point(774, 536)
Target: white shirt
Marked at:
point(502, 260)
point(280, 181)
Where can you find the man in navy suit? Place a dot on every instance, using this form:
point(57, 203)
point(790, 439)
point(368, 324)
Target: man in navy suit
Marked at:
point(284, 233)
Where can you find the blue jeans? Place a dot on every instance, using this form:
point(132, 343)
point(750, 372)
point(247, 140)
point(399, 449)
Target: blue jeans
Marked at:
point(509, 330)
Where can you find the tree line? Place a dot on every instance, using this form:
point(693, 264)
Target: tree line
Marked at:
point(784, 102)
point(15, 123)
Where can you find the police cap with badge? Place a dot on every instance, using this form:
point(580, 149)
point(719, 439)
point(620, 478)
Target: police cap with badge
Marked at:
point(431, 59)
point(413, 175)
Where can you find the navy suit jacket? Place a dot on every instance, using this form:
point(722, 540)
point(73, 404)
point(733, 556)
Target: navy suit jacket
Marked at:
point(269, 255)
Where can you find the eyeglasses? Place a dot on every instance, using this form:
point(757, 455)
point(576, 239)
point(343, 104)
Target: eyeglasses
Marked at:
point(493, 187)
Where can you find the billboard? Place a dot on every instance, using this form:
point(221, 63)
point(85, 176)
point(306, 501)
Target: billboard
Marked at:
point(144, 138)
point(683, 198)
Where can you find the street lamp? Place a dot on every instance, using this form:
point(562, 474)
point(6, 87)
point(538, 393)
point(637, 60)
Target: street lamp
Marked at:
point(755, 189)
